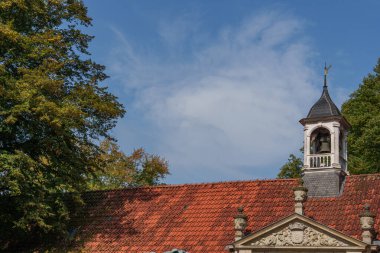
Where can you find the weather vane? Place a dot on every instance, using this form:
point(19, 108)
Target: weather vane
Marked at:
point(326, 72)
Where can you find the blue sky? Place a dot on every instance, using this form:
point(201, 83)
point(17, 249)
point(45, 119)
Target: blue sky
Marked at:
point(217, 87)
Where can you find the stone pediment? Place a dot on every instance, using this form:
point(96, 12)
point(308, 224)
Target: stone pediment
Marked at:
point(298, 234)
point(298, 231)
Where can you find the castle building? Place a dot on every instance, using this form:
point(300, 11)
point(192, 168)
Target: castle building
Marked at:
point(331, 211)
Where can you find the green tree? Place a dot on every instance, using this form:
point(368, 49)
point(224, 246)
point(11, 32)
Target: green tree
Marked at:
point(52, 113)
point(291, 169)
point(362, 110)
point(120, 170)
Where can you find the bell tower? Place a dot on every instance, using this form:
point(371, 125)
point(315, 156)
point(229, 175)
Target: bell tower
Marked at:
point(325, 147)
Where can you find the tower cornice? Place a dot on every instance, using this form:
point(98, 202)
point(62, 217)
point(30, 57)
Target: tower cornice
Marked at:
point(341, 119)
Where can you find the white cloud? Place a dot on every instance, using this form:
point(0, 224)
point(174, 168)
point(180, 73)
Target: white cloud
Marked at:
point(175, 32)
point(232, 104)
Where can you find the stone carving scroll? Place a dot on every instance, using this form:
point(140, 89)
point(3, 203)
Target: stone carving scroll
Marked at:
point(297, 234)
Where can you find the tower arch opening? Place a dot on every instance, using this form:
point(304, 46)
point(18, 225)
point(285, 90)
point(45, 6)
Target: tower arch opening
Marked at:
point(320, 141)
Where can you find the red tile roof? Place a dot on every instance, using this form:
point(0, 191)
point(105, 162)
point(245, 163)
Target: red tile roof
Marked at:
point(199, 217)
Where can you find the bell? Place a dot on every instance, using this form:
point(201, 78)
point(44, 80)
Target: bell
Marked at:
point(325, 147)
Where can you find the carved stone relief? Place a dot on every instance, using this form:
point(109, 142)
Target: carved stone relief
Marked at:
point(297, 234)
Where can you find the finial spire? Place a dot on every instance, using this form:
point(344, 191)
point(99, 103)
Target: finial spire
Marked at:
point(326, 72)
point(240, 224)
point(300, 196)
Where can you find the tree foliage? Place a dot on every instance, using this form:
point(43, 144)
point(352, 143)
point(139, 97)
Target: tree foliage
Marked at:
point(291, 169)
point(120, 170)
point(52, 112)
point(362, 110)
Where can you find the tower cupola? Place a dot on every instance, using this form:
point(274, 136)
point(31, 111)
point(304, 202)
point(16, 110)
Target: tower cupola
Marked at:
point(324, 107)
point(325, 146)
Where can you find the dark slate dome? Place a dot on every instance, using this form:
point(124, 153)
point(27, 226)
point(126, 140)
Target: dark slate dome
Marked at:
point(324, 107)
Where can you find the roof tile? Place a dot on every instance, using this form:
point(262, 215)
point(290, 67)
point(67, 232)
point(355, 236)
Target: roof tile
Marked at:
point(199, 217)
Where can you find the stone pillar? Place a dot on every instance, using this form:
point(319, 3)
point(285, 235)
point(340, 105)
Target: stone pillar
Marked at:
point(335, 145)
point(345, 153)
point(300, 196)
point(367, 219)
point(306, 150)
point(240, 222)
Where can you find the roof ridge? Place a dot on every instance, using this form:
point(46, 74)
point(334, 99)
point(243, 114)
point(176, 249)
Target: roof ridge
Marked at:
point(195, 184)
point(365, 175)
point(216, 183)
